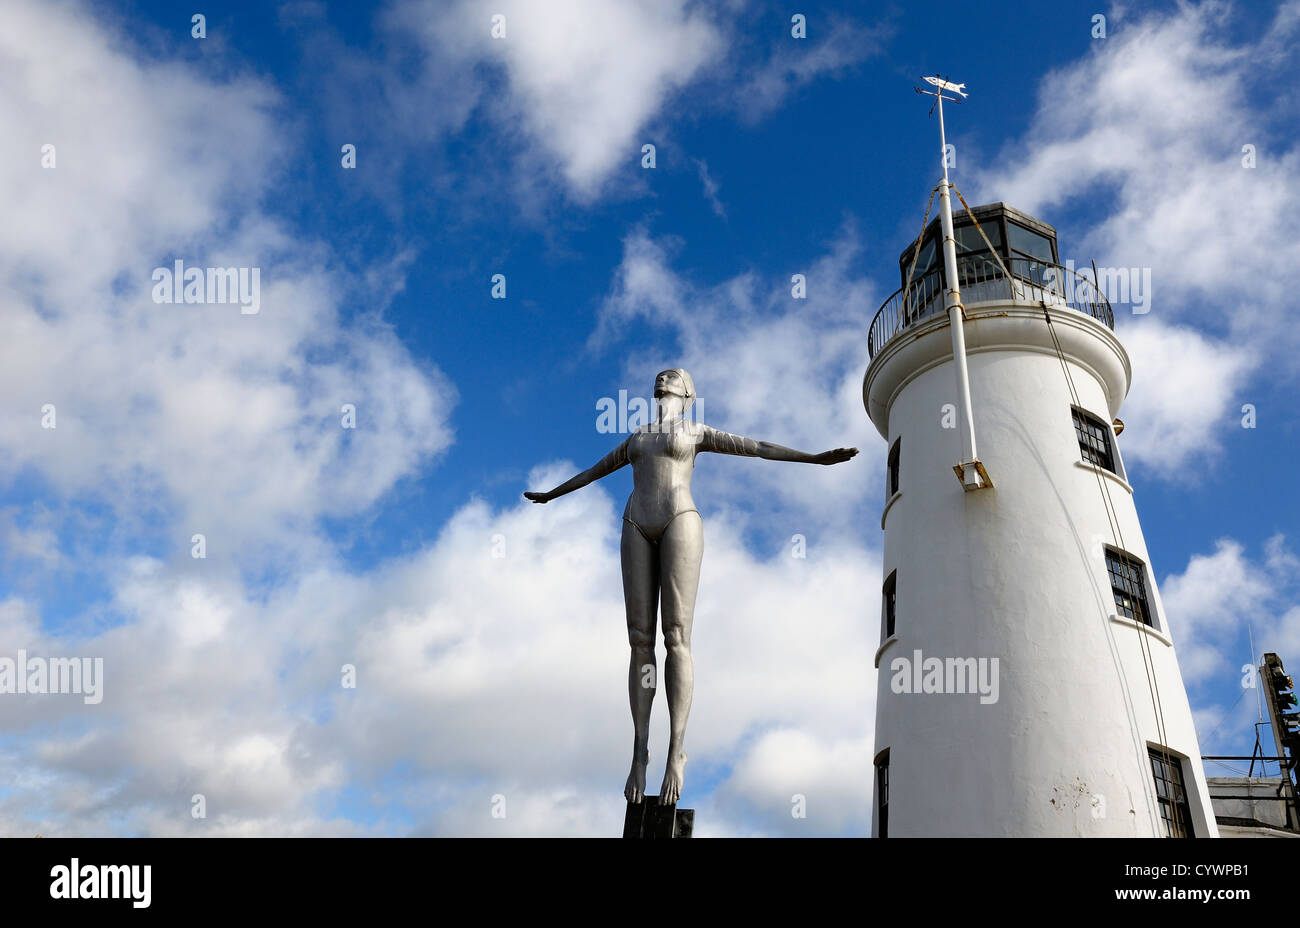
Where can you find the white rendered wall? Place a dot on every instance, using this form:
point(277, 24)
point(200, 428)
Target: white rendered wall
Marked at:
point(1017, 572)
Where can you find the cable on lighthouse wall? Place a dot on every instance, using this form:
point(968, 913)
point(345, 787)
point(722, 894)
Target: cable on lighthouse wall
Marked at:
point(1108, 502)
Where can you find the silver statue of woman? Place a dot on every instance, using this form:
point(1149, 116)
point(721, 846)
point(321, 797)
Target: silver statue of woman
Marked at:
point(663, 542)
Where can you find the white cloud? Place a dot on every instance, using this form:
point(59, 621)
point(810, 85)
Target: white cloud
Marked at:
point(832, 47)
point(525, 658)
point(571, 92)
point(1211, 603)
point(792, 783)
point(171, 419)
point(1207, 604)
point(229, 423)
point(36, 541)
point(710, 189)
point(476, 675)
point(1185, 398)
point(766, 365)
point(586, 76)
point(1146, 134)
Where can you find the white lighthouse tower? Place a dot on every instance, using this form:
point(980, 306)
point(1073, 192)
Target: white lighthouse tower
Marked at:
point(1028, 684)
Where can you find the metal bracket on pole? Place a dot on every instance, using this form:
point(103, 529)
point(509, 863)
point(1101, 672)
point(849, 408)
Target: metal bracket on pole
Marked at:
point(970, 472)
point(973, 476)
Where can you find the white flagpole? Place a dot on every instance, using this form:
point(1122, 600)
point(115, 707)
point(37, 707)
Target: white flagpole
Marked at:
point(970, 472)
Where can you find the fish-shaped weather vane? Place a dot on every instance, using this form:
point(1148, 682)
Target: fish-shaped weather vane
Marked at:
point(944, 85)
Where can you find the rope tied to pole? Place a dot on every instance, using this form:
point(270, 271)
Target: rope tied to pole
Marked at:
point(916, 253)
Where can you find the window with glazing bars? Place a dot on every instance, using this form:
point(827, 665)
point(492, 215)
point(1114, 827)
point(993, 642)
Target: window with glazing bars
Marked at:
point(1094, 440)
point(1128, 583)
point(1171, 794)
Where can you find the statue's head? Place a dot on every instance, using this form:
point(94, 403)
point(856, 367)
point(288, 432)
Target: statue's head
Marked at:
point(676, 382)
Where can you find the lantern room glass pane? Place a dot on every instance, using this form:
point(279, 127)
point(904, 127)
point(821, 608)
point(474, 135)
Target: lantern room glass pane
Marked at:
point(1029, 243)
point(926, 259)
point(969, 239)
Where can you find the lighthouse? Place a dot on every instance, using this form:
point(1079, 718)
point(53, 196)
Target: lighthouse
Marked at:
point(1028, 684)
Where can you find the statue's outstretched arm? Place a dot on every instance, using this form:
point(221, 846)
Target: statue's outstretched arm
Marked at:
point(721, 442)
point(602, 468)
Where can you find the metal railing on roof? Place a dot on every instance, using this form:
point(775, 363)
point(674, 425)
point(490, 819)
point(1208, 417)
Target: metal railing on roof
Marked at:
point(981, 279)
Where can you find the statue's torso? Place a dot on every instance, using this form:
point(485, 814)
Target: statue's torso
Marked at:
point(662, 463)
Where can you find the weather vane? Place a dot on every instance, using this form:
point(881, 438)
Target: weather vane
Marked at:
point(943, 84)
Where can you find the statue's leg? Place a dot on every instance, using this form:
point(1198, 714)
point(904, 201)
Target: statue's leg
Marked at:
point(641, 597)
point(680, 552)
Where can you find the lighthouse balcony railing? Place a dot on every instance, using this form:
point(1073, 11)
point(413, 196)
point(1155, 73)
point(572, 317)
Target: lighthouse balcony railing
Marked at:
point(982, 279)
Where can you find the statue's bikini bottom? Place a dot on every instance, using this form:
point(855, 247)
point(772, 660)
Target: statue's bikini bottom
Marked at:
point(653, 534)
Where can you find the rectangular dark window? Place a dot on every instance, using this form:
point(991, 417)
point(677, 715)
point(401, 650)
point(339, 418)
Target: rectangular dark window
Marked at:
point(891, 584)
point(882, 796)
point(969, 240)
point(925, 259)
point(1029, 244)
point(1128, 583)
point(1171, 794)
point(1094, 440)
point(893, 468)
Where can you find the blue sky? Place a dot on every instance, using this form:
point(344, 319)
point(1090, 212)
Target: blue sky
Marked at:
point(521, 156)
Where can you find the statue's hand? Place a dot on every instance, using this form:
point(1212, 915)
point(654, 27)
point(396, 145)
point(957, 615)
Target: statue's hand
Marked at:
point(545, 498)
point(835, 456)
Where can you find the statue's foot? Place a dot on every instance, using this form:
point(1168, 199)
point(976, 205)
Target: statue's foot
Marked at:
point(635, 789)
point(671, 790)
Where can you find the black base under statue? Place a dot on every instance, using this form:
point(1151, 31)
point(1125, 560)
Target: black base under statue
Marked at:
point(649, 819)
